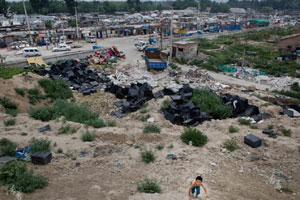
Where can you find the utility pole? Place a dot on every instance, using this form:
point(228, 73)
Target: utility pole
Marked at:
point(77, 34)
point(171, 37)
point(198, 19)
point(27, 21)
point(161, 35)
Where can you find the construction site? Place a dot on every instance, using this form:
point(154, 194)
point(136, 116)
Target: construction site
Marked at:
point(112, 110)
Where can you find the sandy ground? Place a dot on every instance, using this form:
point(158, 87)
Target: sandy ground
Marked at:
point(244, 174)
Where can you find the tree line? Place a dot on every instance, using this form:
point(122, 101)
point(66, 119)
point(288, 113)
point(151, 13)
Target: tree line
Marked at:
point(110, 7)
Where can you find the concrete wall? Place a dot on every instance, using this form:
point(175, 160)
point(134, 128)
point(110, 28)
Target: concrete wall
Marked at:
point(189, 51)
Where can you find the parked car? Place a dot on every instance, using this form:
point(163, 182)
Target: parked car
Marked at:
point(91, 39)
point(141, 45)
point(62, 47)
point(31, 51)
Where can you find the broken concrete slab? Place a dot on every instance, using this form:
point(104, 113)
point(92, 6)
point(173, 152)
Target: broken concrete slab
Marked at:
point(45, 128)
point(252, 140)
point(6, 159)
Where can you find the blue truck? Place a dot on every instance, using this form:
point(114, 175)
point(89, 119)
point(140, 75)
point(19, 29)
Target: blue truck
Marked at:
point(154, 60)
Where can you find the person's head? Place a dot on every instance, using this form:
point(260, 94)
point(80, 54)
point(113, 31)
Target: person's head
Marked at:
point(199, 179)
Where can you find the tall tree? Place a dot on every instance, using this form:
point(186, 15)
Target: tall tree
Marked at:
point(3, 7)
point(70, 5)
point(39, 6)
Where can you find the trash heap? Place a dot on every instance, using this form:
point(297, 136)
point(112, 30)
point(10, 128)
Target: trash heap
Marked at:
point(136, 95)
point(291, 110)
point(240, 107)
point(182, 111)
point(77, 75)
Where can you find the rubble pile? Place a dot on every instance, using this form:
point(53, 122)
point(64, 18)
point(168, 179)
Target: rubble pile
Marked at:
point(77, 75)
point(136, 95)
point(182, 111)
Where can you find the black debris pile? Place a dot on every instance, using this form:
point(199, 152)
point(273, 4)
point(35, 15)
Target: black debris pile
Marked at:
point(240, 107)
point(181, 110)
point(136, 95)
point(291, 110)
point(77, 75)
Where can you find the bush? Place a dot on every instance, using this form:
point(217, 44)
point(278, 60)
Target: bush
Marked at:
point(7, 147)
point(20, 91)
point(173, 66)
point(35, 96)
point(44, 113)
point(64, 129)
point(287, 132)
point(270, 127)
point(204, 43)
point(88, 137)
point(165, 104)
point(56, 89)
point(253, 126)
point(59, 150)
point(143, 111)
point(233, 129)
point(97, 123)
point(111, 123)
point(147, 156)
point(8, 104)
point(231, 145)
point(144, 118)
point(244, 122)
point(148, 186)
point(197, 137)
point(42, 145)
point(151, 129)
point(159, 147)
point(15, 175)
point(11, 112)
point(210, 103)
point(10, 122)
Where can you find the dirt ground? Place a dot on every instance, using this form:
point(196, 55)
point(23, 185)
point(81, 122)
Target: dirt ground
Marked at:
point(109, 167)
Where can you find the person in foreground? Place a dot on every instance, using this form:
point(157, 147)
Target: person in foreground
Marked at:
point(195, 187)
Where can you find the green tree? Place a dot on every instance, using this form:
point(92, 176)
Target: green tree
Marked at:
point(70, 6)
point(38, 5)
point(48, 24)
point(266, 9)
point(3, 7)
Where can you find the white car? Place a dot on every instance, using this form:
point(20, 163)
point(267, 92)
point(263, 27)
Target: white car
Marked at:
point(62, 47)
point(31, 51)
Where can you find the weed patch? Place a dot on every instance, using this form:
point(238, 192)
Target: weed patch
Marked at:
point(197, 137)
point(42, 145)
point(165, 104)
point(56, 89)
point(20, 91)
point(233, 129)
point(10, 122)
point(148, 186)
point(231, 145)
point(159, 147)
point(147, 156)
point(15, 175)
point(87, 136)
point(9, 72)
point(210, 103)
point(244, 122)
point(7, 147)
point(287, 132)
point(10, 107)
point(35, 96)
point(151, 129)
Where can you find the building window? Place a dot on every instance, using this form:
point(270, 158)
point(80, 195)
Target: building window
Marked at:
point(180, 49)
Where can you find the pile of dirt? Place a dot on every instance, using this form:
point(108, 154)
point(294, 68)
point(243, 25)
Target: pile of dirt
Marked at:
point(25, 81)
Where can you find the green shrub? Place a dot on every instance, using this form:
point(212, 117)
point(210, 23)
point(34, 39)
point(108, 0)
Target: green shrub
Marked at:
point(11, 112)
point(64, 129)
point(35, 96)
point(270, 127)
point(287, 132)
point(24, 134)
point(147, 156)
point(197, 137)
point(15, 175)
point(7, 147)
point(204, 43)
point(173, 66)
point(144, 118)
point(244, 122)
point(143, 111)
point(76, 113)
point(159, 147)
point(148, 186)
point(10, 122)
point(9, 72)
point(97, 123)
point(253, 126)
point(44, 113)
point(87, 136)
point(210, 103)
point(111, 123)
point(165, 104)
point(151, 129)
point(233, 129)
point(231, 145)
point(8, 104)
point(42, 145)
point(295, 87)
point(20, 91)
point(56, 89)
point(59, 150)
